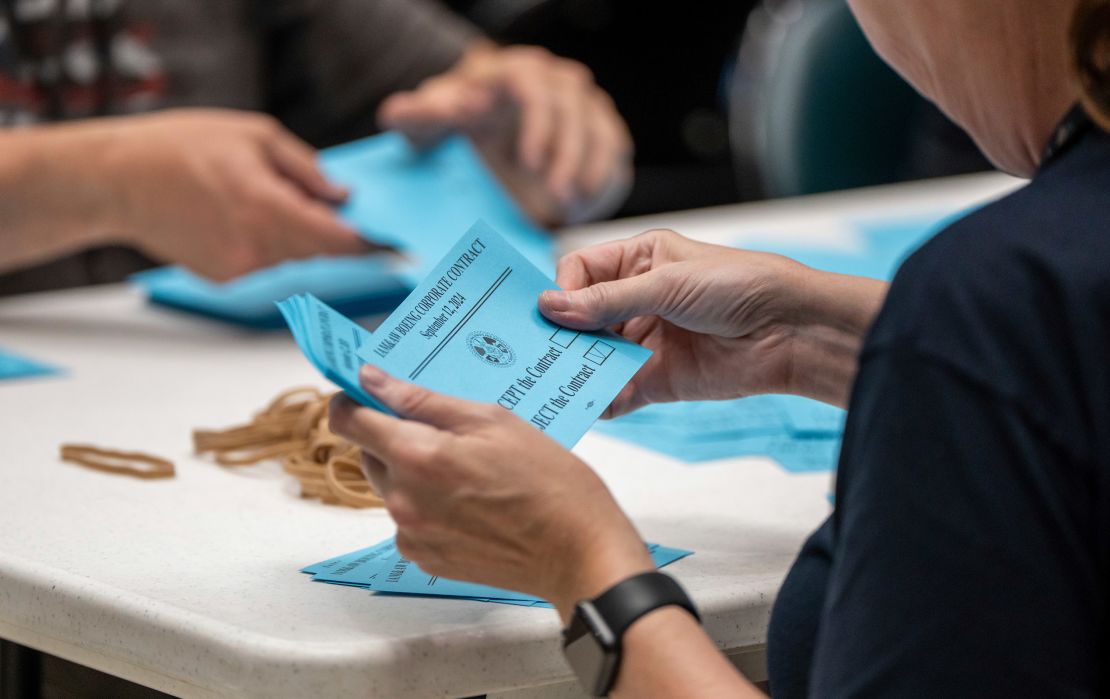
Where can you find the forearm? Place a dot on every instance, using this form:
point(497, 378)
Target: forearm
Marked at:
point(829, 332)
point(54, 198)
point(666, 654)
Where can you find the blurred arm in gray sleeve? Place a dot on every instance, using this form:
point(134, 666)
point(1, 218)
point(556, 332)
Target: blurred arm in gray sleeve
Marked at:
point(330, 63)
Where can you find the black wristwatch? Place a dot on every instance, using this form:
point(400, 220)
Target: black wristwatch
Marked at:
point(592, 641)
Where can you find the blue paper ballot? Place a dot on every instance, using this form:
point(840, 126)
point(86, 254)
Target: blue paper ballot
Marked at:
point(351, 567)
point(382, 568)
point(697, 420)
point(806, 417)
point(399, 575)
point(886, 243)
point(330, 341)
point(414, 200)
point(800, 434)
point(353, 559)
point(473, 330)
point(801, 455)
point(354, 286)
point(14, 366)
point(793, 453)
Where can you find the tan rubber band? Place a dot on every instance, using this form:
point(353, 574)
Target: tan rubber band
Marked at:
point(121, 463)
point(293, 429)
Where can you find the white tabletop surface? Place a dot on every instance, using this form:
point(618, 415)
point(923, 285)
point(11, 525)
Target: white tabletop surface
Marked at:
point(190, 585)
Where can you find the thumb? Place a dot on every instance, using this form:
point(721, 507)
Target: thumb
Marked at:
point(296, 161)
point(608, 303)
point(429, 113)
point(412, 402)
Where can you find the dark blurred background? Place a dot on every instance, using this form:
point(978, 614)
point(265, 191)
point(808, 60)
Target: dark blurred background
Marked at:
point(808, 105)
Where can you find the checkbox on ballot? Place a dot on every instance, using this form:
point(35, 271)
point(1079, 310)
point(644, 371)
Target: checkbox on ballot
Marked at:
point(598, 352)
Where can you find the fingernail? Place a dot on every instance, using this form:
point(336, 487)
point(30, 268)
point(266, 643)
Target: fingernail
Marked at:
point(371, 376)
point(558, 301)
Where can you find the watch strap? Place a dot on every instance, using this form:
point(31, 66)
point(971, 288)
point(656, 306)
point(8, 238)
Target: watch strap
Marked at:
point(624, 603)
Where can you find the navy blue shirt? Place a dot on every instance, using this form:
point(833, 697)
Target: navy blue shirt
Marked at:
point(969, 552)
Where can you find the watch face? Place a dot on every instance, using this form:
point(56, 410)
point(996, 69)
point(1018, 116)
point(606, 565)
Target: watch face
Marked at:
point(590, 649)
point(587, 659)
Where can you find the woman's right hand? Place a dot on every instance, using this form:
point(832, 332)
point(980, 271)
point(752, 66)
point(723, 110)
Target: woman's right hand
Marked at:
point(722, 323)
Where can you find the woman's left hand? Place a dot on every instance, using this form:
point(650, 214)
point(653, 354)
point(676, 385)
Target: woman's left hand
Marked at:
point(552, 136)
point(480, 495)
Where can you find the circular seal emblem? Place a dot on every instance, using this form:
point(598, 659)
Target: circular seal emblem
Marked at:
point(490, 348)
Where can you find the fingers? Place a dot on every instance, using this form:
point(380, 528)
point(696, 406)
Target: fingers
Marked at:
point(438, 106)
point(414, 402)
point(383, 437)
point(296, 160)
point(570, 140)
point(598, 263)
point(296, 226)
point(607, 303)
point(537, 119)
point(614, 260)
point(628, 400)
point(376, 473)
point(619, 259)
point(609, 156)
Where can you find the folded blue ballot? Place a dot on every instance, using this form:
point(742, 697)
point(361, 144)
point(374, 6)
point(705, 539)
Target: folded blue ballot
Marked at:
point(14, 366)
point(414, 199)
point(472, 330)
point(355, 286)
point(383, 569)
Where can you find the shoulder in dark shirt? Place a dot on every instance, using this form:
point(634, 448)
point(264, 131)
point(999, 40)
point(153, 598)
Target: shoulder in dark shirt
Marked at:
point(969, 554)
point(1016, 297)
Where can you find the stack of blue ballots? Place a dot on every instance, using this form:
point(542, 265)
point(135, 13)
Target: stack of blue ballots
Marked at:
point(801, 435)
point(382, 569)
point(14, 366)
point(401, 197)
point(473, 330)
point(356, 286)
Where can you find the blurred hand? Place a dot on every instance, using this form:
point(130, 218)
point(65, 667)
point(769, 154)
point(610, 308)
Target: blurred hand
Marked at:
point(480, 495)
point(221, 192)
point(722, 323)
point(551, 135)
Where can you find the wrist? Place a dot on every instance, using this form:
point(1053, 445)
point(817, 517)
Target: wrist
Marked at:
point(833, 316)
point(58, 201)
point(600, 563)
point(80, 158)
point(108, 154)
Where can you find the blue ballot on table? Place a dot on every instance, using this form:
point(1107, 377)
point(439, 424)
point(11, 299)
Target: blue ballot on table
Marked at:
point(355, 286)
point(14, 366)
point(473, 330)
point(383, 569)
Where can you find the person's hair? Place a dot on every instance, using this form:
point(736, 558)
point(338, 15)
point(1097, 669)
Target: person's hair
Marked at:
point(1090, 47)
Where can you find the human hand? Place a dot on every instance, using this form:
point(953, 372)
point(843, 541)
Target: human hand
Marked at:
point(480, 495)
point(722, 323)
point(544, 127)
point(221, 192)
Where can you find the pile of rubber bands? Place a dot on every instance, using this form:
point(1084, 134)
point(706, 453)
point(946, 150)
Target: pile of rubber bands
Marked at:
point(293, 429)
